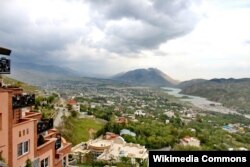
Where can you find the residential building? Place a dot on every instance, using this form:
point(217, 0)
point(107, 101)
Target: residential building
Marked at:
point(140, 113)
point(190, 141)
point(170, 114)
point(121, 120)
point(230, 128)
point(112, 149)
point(74, 104)
point(25, 135)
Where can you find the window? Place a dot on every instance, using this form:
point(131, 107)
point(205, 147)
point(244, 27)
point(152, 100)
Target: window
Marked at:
point(20, 133)
point(26, 146)
point(27, 131)
point(22, 148)
point(45, 162)
point(23, 132)
point(64, 161)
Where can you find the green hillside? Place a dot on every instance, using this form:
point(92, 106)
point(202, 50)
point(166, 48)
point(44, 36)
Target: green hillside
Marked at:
point(233, 93)
point(25, 86)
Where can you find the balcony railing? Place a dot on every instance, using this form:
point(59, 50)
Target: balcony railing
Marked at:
point(58, 141)
point(44, 125)
point(23, 100)
point(44, 146)
point(41, 140)
point(4, 66)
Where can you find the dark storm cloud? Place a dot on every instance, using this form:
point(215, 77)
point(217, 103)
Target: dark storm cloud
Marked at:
point(32, 40)
point(131, 26)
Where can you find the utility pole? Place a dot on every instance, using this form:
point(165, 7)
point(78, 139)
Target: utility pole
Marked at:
point(4, 63)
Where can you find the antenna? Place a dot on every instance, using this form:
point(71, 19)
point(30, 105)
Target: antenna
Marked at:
point(4, 63)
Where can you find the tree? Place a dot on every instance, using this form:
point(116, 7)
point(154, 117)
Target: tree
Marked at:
point(28, 163)
point(50, 99)
point(90, 159)
point(125, 160)
point(18, 84)
point(74, 113)
point(179, 147)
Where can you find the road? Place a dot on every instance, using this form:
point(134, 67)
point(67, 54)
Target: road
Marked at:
point(61, 111)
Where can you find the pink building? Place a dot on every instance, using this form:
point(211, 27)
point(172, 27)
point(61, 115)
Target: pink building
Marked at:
point(25, 135)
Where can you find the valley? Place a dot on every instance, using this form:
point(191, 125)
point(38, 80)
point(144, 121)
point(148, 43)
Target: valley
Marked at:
point(155, 118)
point(159, 118)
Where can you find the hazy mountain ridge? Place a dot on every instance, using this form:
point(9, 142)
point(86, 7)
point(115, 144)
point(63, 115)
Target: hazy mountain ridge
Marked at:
point(149, 77)
point(37, 73)
point(234, 93)
point(65, 71)
point(185, 84)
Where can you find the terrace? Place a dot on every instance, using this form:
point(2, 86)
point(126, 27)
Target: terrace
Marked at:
point(23, 100)
point(45, 146)
point(44, 125)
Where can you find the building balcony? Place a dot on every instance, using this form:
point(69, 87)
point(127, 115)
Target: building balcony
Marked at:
point(44, 125)
point(58, 143)
point(56, 137)
point(65, 149)
point(22, 121)
point(23, 100)
point(51, 134)
point(33, 115)
point(44, 146)
point(62, 152)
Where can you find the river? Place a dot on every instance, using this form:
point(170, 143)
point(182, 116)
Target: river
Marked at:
point(201, 102)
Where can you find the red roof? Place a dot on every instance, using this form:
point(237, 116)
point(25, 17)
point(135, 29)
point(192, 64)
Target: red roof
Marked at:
point(72, 102)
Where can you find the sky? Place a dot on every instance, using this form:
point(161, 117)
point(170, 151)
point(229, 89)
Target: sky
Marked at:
point(185, 39)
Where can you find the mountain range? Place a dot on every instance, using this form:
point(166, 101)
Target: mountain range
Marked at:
point(37, 73)
point(230, 92)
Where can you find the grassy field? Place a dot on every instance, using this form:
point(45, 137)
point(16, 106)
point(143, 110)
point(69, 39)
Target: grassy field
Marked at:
point(76, 130)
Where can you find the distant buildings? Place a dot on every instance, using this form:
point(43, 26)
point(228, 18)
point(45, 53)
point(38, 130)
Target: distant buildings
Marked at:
point(233, 128)
point(229, 128)
point(190, 141)
point(140, 113)
point(121, 120)
point(74, 104)
point(170, 114)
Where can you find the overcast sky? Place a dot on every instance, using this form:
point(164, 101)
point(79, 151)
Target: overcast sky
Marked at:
point(186, 39)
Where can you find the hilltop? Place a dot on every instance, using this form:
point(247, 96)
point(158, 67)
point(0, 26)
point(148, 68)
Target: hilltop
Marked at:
point(149, 77)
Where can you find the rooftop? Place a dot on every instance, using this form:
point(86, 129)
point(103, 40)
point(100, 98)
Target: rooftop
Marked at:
point(72, 102)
